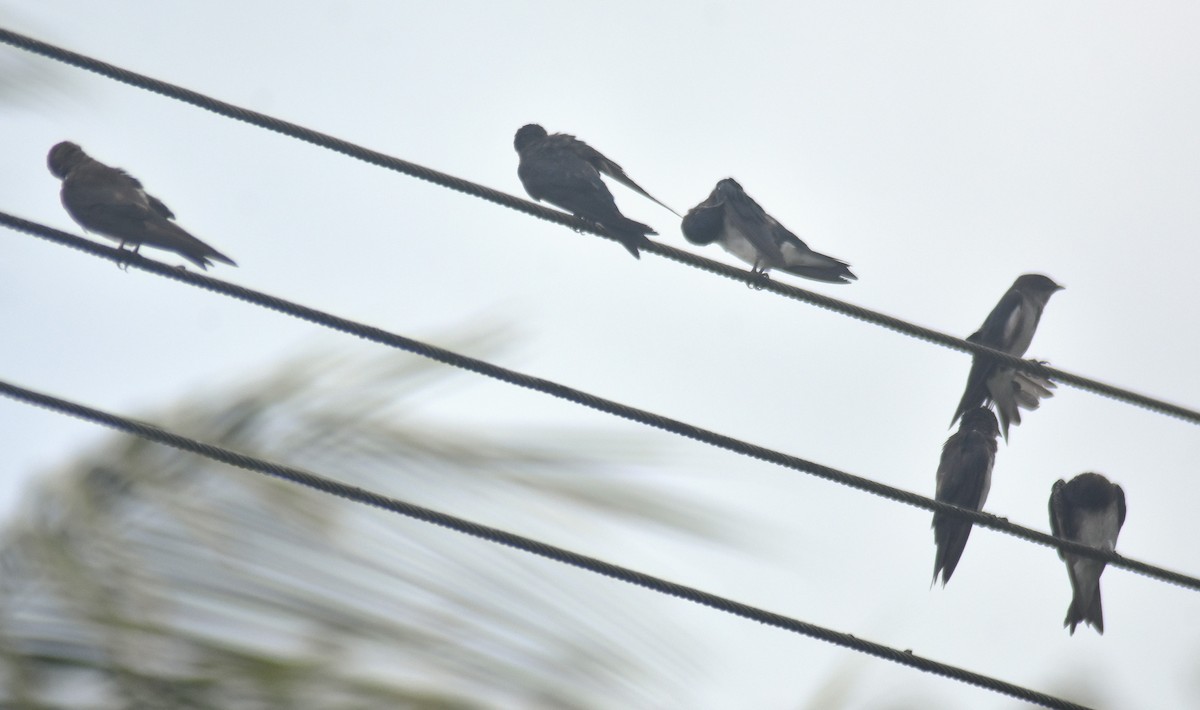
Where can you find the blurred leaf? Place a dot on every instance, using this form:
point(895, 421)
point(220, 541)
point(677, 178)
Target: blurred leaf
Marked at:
point(139, 576)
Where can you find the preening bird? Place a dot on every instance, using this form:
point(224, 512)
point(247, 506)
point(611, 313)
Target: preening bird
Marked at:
point(731, 218)
point(1088, 509)
point(1009, 328)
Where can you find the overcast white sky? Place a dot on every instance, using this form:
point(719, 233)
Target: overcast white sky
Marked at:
point(941, 149)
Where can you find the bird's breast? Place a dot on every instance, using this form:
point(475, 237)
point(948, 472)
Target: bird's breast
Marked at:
point(1100, 529)
point(1018, 329)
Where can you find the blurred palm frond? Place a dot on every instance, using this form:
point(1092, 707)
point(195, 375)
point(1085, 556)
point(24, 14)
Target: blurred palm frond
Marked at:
point(139, 576)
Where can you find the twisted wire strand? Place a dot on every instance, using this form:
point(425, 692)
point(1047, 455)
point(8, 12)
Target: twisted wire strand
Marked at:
point(536, 547)
point(554, 389)
point(476, 190)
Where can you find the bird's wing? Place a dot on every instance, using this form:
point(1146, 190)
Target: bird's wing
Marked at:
point(1058, 522)
point(1120, 506)
point(601, 163)
point(105, 198)
point(154, 203)
point(964, 471)
point(566, 181)
point(97, 183)
point(1002, 324)
point(159, 208)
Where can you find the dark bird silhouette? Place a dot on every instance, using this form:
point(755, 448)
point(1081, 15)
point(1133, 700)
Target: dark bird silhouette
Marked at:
point(964, 477)
point(734, 220)
point(1008, 328)
point(564, 171)
point(1088, 509)
point(112, 203)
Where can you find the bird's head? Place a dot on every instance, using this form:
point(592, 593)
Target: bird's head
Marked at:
point(981, 420)
point(728, 187)
point(64, 157)
point(528, 134)
point(1037, 284)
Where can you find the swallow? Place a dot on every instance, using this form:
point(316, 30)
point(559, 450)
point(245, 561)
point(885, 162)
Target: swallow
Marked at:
point(1013, 390)
point(564, 171)
point(733, 219)
point(1008, 328)
point(964, 477)
point(112, 203)
point(1088, 509)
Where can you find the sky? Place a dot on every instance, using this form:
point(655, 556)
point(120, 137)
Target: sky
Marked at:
point(940, 149)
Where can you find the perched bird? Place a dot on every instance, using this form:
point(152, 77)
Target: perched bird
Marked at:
point(1009, 328)
point(111, 202)
point(733, 219)
point(565, 171)
point(1013, 390)
point(1091, 510)
point(964, 477)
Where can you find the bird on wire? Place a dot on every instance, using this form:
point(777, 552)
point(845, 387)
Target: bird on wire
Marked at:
point(564, 171)
point(734, 220)
point(112, 203)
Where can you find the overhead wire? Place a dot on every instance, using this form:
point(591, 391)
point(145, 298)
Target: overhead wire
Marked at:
point(379, 159)
point(382, 160)
point(554, 389)
point(360, 495)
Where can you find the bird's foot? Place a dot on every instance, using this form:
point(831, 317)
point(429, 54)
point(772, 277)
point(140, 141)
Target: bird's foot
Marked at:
point(762, 277)
point(591, 225)
point(122, 260)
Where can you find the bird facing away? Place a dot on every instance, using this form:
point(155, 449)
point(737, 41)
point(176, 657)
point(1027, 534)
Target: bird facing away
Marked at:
point(111, 202)
point(564, 171)
point(1009, 328)
point(1091, 510)
point(733, 219)
point(964, 478)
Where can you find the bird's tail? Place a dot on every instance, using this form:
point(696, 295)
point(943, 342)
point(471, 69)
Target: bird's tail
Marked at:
point(1085, 600)
point(974, 396)
point(814, 265)
point(1085, 610)
point(950, 536)
point(1013, 391)
point(218, 256)
point(630, 233)
point(168, 235)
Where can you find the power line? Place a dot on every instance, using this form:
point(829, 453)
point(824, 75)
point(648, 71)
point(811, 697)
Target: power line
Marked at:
point(536, 210)
point(385, 161)
point(558, 554)
point(554, 389)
